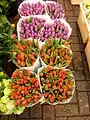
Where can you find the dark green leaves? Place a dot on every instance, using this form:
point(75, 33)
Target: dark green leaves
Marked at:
point(5, 6)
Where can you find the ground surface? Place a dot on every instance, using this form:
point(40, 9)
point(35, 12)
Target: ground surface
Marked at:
point(79, 107)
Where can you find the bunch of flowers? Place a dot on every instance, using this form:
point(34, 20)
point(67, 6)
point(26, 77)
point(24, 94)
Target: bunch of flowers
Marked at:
point(55, 53)
point(57, 84)
point(27, 8)
point(55, 10)
point(31, 27)
point(25, 88)
point(25, 52)
point(56, 29)
point(52, 9)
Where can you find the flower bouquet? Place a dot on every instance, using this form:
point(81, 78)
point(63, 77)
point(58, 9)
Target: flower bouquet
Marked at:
point(57, 84)
point(30, 27)
point(55, 53)
point(55, 10)
point(26, 90)
point(28, 8)
point(25, 53)
point(55, 29)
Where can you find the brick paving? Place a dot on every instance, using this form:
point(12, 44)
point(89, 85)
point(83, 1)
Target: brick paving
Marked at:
point(79, 106)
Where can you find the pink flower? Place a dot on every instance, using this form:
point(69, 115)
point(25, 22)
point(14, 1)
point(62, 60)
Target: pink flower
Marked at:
point(13, 36)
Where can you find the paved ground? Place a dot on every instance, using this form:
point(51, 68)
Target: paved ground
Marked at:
point(79, 107)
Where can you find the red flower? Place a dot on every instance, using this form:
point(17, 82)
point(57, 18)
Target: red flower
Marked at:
point(62, 74)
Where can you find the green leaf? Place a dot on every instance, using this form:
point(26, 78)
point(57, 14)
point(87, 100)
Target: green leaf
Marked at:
point(1, 10)
point(60, 41)
point(46, 88)
point(3, 19)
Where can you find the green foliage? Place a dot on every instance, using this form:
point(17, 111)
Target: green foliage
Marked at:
point(6, 30)
point(5, 6)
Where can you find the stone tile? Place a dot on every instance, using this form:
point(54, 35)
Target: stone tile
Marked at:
point(16, 17)
point(84, 57)
point(76, 10)
point(89, 98)
point(70, 66)
point(69, 13)
point(35, 111)
point(79, 118)
point(12, 117)
point(79, 34)
point(67, 1)
point(88, 93)
point(1, 117)
point(5, 117)
point(86, 71)
point(74, 99)
point(60, 1)
point(25, 114)
point(30, 119)
point(61, 118)
point(77, 47)
point(72, 19)
point(34, 119)
point(83, 85)
point(76, 7)
point(48, 112)
point(15, 21)
point(79, 75)
point(66, 110)
point(80, 37)
point(82, 47)
point(68, 5)
point(77, 60)
point(74, 40)
point(83, 103)
point(76, 13)
point(74, 29)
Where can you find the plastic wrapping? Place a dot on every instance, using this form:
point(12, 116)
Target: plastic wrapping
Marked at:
point(51, 22)
point(31, 2)
point(43, 17)
point(66, 24)
point(42, 62)
point(29, 68)
point(33, 67)
point(48, 21)
point(63, 17)
point(55, 103)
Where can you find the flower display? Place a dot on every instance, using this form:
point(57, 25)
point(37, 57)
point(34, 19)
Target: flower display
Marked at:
point(25, 88)
point(57, 84)
point(55, 54)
